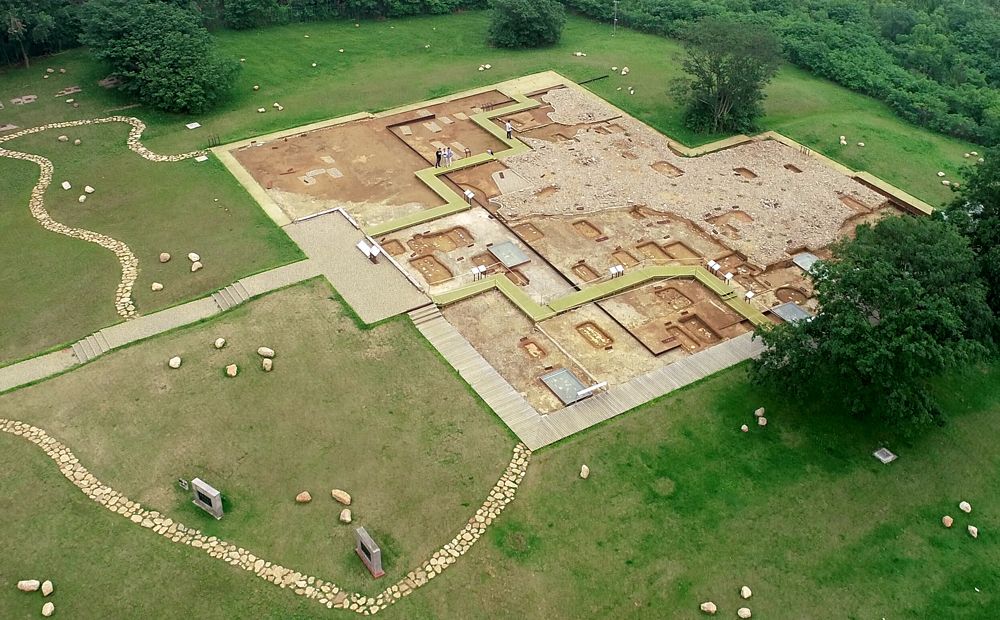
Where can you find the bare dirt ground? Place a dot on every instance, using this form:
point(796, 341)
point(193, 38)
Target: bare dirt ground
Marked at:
point(508, 340)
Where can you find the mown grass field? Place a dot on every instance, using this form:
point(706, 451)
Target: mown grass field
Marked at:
point(681, 507)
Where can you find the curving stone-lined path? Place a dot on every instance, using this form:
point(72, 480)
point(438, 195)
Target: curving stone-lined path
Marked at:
point(323, 592)
point(130, 264)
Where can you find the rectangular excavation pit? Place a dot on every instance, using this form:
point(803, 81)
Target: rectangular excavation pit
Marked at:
point(532, 349)
point(746, 173)
point(393, 247)
point(597, 337)
point(675, 336)
point(653, 251)
point(667, 168)
point(583, 271)
point(586, 229)
point(517, 277)
point(679, 250)
point(624, 258)
point(528, 232)
point(700, 329)
point(431, 269)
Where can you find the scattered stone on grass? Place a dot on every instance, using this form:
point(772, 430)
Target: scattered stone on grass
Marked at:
point(156, 286)
point(175, 362)
point(345, 515)
point(965, 507)
point(232, 370)
point(196, 265)
point(743, 612)
point(164, 257)
point(267, 364)
point(341, 496)
point(761, 421)
point(193, 257)
point(220, 342)
point(66, 185)
point(745, 428)
point(265, 352)
point(584, 472)
point(88, 189)
point(709, 608)
point(973, 531)
point(82, 199)
point(304, 497)
point(47, 587)
point(947, 521)
point(28, 585)
point(48, 609)
point(78, 141)
point(759, 412)
point(745, 592)
point(256, 86)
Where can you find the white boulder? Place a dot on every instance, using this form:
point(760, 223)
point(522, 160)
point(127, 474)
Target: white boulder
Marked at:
point(345, 515)
point(175, 362)
point(745, 428)
point(220, 342)
point(743, 612)
point(965, 507)
point(193, 257)
point(82, 199)
point(66, 185)
point(164, 257)
point(709, 608)
point(973, 531)
point(584, 472)
point(47, 587)
point(759, 412)
point(156, 286)
point(196, 265)
point(265, 352)
point(745, 592)
point(341, 496)
point(267, 364)
point(48, 609)
point(28, 585)
point(947, 521)
point(761, 421)
point(88, 189)
point(232, 370)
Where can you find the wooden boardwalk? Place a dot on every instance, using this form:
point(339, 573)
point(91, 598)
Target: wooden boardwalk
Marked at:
point(537, 430)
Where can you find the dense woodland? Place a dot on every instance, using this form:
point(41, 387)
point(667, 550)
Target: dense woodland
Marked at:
point(935, 62)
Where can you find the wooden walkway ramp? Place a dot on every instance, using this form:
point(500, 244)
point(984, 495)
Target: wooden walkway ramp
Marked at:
point(537, 430)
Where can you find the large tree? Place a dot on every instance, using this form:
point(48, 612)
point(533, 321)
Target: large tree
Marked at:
point(728, 65)
point(976, 210)
point(899, 304)
point(160, 51)
point(526, 23)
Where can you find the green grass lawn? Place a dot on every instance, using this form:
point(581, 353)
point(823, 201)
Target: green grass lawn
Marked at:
point(373, 412)
point(680, 507)
point(65, 288)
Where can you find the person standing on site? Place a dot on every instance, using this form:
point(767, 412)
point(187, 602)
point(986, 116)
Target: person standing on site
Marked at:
point(510, 129)
point(437, 159)
point(449, 157)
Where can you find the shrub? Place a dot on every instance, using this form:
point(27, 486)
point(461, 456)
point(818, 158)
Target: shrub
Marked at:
point(526, 23)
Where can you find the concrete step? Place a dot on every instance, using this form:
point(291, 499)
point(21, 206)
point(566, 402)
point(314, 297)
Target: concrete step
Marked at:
point(102, 340)
point(221, 301)
point(79, 353)
point(241, 290)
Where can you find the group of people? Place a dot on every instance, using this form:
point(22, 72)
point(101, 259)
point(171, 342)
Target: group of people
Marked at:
point(445, 156)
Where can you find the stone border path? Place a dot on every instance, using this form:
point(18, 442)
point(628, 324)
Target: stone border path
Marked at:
point(130, 264)
point(325, 593)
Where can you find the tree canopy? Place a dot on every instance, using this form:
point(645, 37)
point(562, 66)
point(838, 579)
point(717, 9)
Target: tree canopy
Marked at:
point(899, 304)
point(160, 51)
point(526, 23)
point(728, 65)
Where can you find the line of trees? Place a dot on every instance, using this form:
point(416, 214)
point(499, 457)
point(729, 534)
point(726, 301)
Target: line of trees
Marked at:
point(935, 62)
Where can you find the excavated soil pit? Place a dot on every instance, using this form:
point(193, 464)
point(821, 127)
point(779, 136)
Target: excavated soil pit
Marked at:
point(431, 269)
point(486, 260)
point(667, 168)
point(854, 204)
point(651, 250)
point(624, 258)
point(739, 217)
point(444, 241)
point(746, 173)
point(593, 334)
point(517, 277)
point(787, 293)
point(532, 349)
point(528, 232)
point(393, 247)
point(679, 250)
point(584, 272)
point(587, 229)
point(793, 168)
point(700, 329)
point(672, 297)
point(678, 337)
